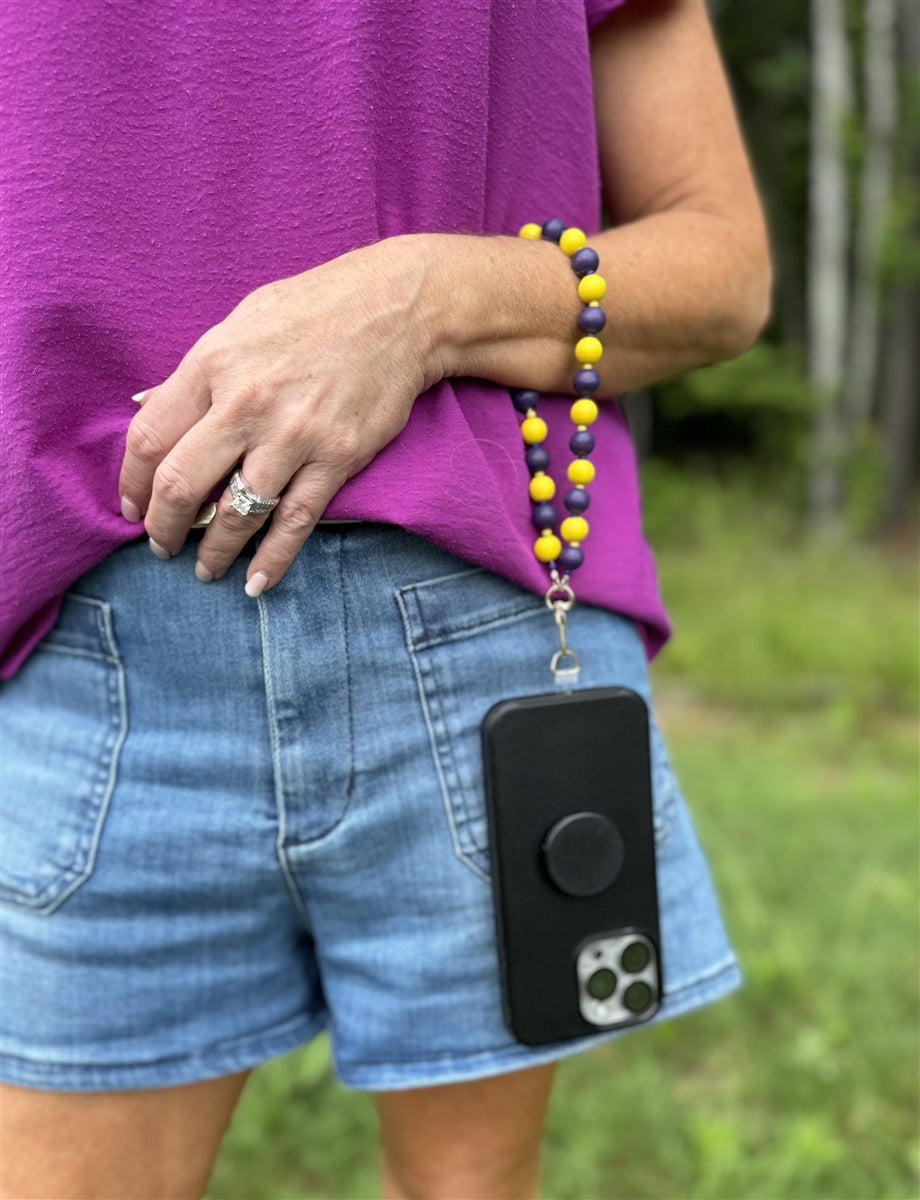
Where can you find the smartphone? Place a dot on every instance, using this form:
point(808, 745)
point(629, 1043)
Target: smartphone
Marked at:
point(569, 802)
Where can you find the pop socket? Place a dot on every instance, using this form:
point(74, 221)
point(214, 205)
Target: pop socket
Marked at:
point(584, 853)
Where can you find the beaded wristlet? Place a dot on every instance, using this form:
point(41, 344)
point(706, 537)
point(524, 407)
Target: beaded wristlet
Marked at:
point(561, 560)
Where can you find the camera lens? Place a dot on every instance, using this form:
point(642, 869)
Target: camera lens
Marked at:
point(602, 984)
point(635, 957)
point(638, 997)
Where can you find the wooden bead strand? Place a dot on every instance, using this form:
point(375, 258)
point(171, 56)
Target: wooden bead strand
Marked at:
point(562, 560)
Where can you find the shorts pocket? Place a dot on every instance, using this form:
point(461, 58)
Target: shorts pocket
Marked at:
point(63, 719)
point(475, 639)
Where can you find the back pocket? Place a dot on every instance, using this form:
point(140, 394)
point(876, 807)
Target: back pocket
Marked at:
point(63, 719)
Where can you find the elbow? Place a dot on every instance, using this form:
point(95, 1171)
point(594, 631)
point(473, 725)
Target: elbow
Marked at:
point(747, 302)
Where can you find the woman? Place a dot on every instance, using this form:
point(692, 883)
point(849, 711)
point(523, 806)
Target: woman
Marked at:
point(243, 797)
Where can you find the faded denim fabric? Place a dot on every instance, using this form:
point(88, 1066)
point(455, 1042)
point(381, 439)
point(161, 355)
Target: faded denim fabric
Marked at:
point(230, 824)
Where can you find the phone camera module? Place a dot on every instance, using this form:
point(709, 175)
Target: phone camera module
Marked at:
point(618, 979)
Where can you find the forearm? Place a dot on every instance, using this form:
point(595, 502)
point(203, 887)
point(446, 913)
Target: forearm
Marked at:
point(683, 288)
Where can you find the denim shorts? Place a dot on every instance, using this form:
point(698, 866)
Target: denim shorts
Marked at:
point(230, 824)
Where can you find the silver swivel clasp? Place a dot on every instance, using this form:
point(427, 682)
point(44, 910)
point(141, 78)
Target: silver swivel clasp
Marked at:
point(560, 598)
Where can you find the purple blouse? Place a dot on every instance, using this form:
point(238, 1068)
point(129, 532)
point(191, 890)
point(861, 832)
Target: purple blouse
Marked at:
point(161, 159)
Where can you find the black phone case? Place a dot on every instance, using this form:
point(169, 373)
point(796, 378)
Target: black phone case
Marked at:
point(559, 769)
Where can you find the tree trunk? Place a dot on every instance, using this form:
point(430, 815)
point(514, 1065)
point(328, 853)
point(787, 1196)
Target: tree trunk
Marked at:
point(875, 197)
point(900, 403)
point(900, 407)
point(827, 265)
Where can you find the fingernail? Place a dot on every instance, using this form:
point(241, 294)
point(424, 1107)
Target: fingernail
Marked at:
point(138, 397)
point(257, 585)
point(159, 551)
point(130, 511)
point(202, 573)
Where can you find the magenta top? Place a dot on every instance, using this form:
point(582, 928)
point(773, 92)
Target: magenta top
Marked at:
point(163, 159)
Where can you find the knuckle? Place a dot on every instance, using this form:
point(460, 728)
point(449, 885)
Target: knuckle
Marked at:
point(247, 394)
point(348, 447)
point(173, 487)
point(296, 514)
point(143, 443)
point(242, 399)
point(210, 356)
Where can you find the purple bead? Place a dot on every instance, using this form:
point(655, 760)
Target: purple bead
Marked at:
point(581, 442)
point(570, 558)
point(544, 515)
point(524, 398)
point(577, 500)
point(537, 458)
point(591, 320)
point(586, 380)
point(584, 261)
point(553, 229)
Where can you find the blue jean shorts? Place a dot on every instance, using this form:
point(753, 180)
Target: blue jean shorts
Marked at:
point(231, 824)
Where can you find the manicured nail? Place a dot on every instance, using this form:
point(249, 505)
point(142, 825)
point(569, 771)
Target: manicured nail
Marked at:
point(138, 397)
point(159, 551)
point(130, 511)
point(257, 585)
point(202, 573)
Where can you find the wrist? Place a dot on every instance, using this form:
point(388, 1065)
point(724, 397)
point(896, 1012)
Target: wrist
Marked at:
point(497, 308)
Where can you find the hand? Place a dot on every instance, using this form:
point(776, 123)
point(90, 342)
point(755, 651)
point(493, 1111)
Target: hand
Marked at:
point(301, 385)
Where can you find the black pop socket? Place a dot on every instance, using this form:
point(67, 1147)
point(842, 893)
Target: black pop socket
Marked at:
point(584, 853)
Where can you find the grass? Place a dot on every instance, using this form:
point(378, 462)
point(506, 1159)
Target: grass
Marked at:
point(789, 702)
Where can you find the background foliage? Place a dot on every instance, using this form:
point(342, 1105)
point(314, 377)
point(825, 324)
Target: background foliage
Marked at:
point(764, 406)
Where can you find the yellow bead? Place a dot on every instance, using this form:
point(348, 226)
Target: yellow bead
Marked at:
point(533, 429)
point(583, 412)
point(573, 239)
point(574, 529)
point(580, 471)
point(530, 231)
point(588, 350)
point(547, 547)
point(591, 287)
point(542, 488)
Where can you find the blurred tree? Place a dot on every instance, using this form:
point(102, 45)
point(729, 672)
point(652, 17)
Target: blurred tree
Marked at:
point(900, 371)
point(881, 107)
point(828, 243)
point(827, 92)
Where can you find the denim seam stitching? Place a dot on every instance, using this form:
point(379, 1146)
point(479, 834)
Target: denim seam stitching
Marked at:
point(712, 974)
point(664, 806)
point(76, 651)
point(350, 780)
point(707, 976)
point(225, 1049)
point(436, 579)
point(457, 795)
point(101, 795)
point(665, 812)
point(433, 741)
point(464, 632)
point(107, 629)
point(280, 809)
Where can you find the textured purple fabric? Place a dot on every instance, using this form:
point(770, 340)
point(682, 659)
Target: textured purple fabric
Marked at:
point(163, 159)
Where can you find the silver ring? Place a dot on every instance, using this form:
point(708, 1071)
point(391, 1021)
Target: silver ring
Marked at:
point(245, 501)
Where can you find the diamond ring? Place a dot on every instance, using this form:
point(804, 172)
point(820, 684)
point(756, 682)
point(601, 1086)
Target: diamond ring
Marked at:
point(245, 501)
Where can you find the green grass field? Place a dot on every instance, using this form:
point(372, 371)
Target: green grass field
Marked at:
point(789, 701)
